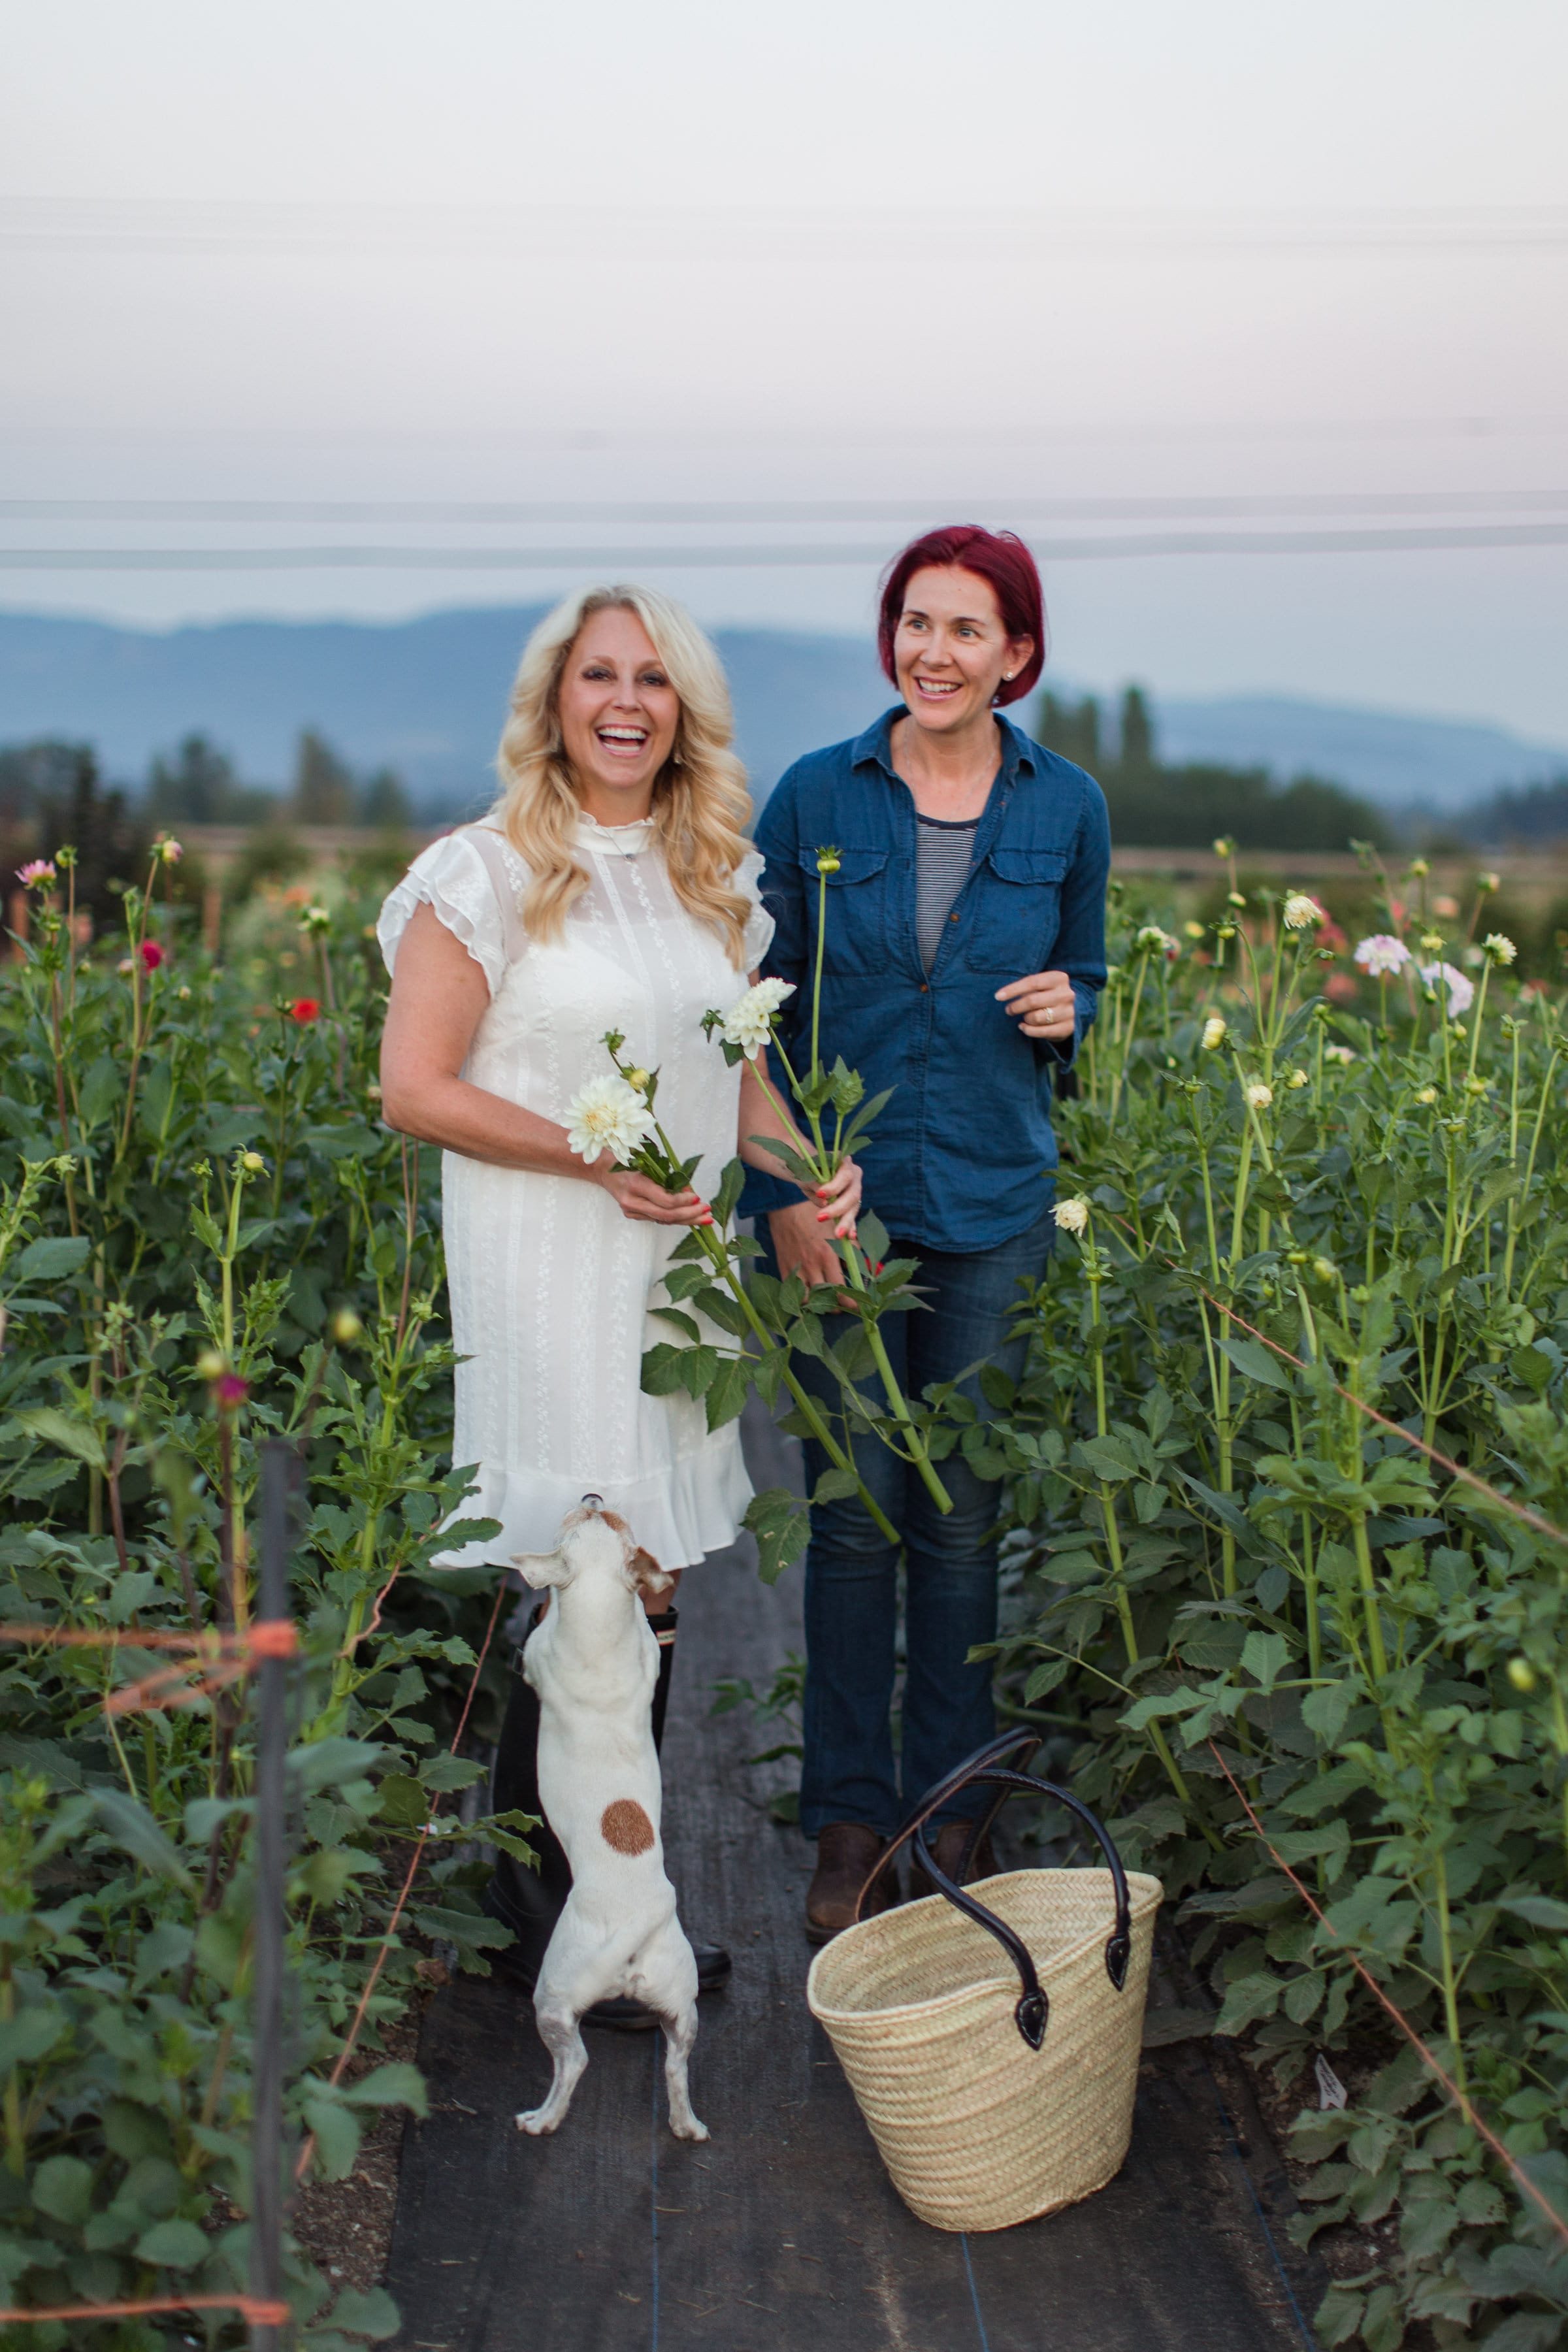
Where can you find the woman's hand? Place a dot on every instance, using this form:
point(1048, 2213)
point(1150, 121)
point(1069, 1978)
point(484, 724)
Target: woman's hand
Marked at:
point(802, 1234)
point(646, 1202)
point(837, 1202)
point(1047, 1004)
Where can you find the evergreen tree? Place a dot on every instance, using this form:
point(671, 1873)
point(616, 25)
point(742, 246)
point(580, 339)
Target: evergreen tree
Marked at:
point(197, 786)
point(323, 791)
point(384, 803)
point(1136, 757)
point(1071, 729)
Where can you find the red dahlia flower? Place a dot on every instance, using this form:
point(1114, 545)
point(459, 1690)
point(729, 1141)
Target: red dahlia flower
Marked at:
point(304, 1010)
point(151, 955)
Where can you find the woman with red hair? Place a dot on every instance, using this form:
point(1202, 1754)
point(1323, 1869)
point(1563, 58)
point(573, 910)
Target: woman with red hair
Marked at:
point(964, 957)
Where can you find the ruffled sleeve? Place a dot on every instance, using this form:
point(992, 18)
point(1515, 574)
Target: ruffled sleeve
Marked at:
point(451, 877)
point(759, 922)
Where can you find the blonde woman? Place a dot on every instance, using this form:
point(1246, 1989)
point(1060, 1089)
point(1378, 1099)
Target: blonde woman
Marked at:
point(611, 887)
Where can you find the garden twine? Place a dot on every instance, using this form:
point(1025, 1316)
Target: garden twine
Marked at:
point(1426, 2057)
point(238, 1653)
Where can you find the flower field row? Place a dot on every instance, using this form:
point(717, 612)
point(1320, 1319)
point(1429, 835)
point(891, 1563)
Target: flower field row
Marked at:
point(1284, 1478)
point(207, 1238)
point(1288, 1470)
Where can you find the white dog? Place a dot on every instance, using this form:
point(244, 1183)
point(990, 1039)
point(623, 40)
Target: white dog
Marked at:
point(593, 1662)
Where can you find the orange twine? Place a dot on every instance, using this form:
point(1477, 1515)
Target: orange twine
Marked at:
point(1459, 2098)
point(347, 2051)
point(264, 2315)
point(1456, 1469)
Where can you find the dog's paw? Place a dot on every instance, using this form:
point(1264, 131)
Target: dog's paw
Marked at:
point(538, 2120)
point(690, 2129)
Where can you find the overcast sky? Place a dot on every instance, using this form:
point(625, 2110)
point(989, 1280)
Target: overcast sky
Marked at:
point(444, 286)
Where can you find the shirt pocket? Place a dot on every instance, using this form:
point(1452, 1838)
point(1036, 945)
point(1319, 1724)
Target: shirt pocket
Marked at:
point(1015, 911)
point(857, 913)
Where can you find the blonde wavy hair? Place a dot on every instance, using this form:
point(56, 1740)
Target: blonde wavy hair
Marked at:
point(700, 804)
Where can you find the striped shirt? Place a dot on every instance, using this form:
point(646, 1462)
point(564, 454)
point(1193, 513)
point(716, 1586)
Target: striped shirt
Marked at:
point(943, 855)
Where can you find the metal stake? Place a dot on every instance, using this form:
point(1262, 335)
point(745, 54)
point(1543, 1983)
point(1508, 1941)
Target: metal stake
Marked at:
point(271, 1745)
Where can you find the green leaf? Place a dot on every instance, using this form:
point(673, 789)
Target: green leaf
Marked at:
point(133, 1829)
point(1109, 1458)
point(101, 1090)
point(661, 1365)
point(872, 1235)
point(174, 2245)
point(367, 2311)
point(727, 1395)
point(447, 1772)
point(1327, 1709)
point(329, 1763)
point(1266, 1656)
point(698, 1367)
point(1540, 1910)
point(62, 2188)
point(731, 1183)
point(30, 2035)
point(1247, 1999)
point(470, 1930)
point(685, 1324)
point(782, 1526)
point(72, 1436)
point(1258, 1362)
point(835, 1486)
point(337, 2133)
point(52, 1257)
point(401, 1800)
point(393, 2085)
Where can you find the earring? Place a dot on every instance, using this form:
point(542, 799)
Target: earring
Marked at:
point(676, 760)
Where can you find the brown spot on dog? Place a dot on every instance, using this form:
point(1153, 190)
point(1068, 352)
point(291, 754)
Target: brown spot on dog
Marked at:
point(651, 1580)
point(625, 1827)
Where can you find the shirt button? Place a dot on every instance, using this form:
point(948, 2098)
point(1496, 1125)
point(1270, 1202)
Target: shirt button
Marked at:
point(925, 989)
point(952, 918)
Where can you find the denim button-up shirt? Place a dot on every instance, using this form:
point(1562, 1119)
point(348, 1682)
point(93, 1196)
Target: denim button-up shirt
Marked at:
point(961, 1158)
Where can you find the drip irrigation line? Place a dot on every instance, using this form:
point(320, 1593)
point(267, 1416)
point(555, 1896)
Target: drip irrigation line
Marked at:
point(386, 1945)
point(1460, 2098)
point(1521, 1511)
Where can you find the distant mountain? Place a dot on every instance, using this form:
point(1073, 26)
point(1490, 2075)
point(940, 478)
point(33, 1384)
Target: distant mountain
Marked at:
point(1401, 761)
point(426, 697)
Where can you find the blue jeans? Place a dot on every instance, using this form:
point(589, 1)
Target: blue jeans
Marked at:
point(851, 1568)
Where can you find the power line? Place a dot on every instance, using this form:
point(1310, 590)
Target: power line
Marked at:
point(701, 511)
point(684, 555)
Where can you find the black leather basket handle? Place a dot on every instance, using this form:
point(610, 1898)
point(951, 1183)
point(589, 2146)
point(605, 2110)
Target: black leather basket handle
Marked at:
point(996, 1766)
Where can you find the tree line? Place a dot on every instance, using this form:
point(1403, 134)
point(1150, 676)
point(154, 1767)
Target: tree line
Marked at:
point(1159, 806)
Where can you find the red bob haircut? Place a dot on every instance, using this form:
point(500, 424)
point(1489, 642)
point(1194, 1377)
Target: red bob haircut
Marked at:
point(998, 556)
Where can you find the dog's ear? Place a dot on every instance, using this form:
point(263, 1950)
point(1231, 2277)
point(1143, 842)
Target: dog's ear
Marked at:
point(540, 1568)
point(651, 1580)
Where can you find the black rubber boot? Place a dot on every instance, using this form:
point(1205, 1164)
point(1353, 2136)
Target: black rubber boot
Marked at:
point(528, 1901)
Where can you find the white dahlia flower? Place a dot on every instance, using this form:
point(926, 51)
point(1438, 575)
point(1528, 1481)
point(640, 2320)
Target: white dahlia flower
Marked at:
point(748, 1021)
point(606, 1115)
point(1071, 1216)
point(1301, 913)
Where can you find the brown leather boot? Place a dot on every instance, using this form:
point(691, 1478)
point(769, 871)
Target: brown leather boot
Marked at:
point(846, 1853)
point(947, 1850)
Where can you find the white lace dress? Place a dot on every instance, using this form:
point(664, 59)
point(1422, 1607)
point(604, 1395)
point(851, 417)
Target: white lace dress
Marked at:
point(550, 1284)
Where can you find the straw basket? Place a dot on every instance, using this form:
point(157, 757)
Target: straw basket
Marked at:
point(991, 2033)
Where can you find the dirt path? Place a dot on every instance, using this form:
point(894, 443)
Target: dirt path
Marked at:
point(782, 2233)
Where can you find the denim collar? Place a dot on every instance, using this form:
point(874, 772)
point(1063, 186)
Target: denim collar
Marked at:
point(875, 747)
